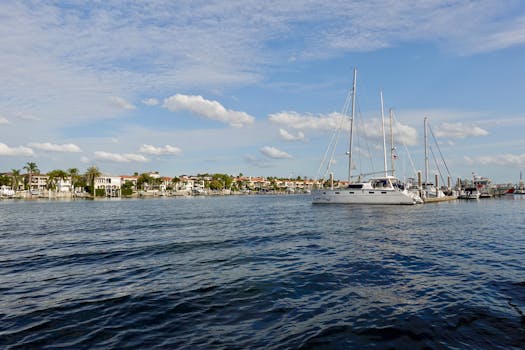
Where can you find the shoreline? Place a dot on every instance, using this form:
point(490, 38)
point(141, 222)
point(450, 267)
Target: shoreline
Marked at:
point(67, 196)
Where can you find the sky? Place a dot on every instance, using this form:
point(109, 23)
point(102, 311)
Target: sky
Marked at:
point(259, 87)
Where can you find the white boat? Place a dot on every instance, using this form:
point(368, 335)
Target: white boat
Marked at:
point(380, 190)
point(520, 189)
point(384, 189)
point(469, 193)
point(429, 191)
point(484, 185)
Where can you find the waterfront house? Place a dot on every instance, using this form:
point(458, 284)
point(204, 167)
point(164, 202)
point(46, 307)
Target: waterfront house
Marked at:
point(63, 185)
point(39, 182)
point(110, 184)
point(165, 184)
point(185, 184)
point(129, 179)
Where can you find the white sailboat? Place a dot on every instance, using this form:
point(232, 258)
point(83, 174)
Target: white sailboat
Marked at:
point(430, 192)
point(521, 186)
point(386, 189)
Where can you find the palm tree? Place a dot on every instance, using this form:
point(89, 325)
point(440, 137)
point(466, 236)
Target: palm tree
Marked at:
point(31, 168)
point(15, 174)
point(91, 173)
point(55, 175)
point(73, 174)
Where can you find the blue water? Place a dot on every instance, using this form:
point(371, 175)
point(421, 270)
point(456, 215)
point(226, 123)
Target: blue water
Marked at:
point(261, 272)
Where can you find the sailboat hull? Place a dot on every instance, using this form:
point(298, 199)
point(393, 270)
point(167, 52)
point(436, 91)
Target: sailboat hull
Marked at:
point(364, 196)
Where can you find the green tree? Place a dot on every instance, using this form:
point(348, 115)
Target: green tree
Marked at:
point(91, 174)
point(5, 180)
point(15, 175)
point(74, 177)
point(53, 176)
point(31, 168)
point(144, 181)
point(215, 185)
point(127, 188)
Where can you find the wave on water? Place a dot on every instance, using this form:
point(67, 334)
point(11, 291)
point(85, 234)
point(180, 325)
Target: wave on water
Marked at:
point(263, 272)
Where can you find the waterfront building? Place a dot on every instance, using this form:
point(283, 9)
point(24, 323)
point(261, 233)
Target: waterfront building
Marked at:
point(38, 182)
point(129, 179)
point(110, 184)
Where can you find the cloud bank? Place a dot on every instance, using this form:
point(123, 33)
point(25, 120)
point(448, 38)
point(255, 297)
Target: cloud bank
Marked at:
point(287, 136)
point(309, 122)
point(121, 103)
point(166, 150)
point(459, 130)
point(150, 102)
point(333, 121)
point(120, 158)
point(274, 153)
point(50, 147)
point(5, 150)
point(208, 109)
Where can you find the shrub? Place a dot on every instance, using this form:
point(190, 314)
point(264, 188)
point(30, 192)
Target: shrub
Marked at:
point(127, 191)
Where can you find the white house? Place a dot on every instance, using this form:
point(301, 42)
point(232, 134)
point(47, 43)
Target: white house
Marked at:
point(38, 182)
point(63, 185)
point(110, 184)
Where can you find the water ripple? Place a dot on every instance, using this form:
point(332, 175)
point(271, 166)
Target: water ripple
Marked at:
point(261, 272)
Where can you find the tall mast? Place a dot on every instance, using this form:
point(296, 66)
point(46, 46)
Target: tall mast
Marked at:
point(392, 149)
point(352, 127)
point(383, 129)
point(426, 152)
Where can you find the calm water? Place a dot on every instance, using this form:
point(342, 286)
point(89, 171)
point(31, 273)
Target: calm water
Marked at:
point(268, 272)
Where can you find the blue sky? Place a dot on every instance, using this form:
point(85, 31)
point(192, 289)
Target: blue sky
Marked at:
point(186, 87)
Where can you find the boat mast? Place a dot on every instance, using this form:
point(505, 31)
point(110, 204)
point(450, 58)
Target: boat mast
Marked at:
point(426, 151)
point(383, 129)
point(392, 149)
point(352, 127)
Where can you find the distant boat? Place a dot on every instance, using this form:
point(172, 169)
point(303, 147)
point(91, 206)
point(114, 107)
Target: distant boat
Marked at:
point(378, 190)
point(484, 186)
point(469, 193)
point(429, 191)
point(521, 186)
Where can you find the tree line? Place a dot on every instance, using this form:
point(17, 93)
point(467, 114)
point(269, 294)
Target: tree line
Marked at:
point(15, 179)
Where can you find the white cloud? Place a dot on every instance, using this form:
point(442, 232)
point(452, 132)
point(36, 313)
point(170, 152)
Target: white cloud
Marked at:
point(307, 121)
point(166, 150)
point(274, 153)
point(331, 122)
point(46, 146)
point(287, 136)
point(207, 109)
point(119, 102)
point(5, 150)
point(403, 134)
point(150, 102)
point(3, 121)
point(459, 130)
point(84, 159)
point(512, 34)
point(120, 158)
point(507, 160)
point(72, 55)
